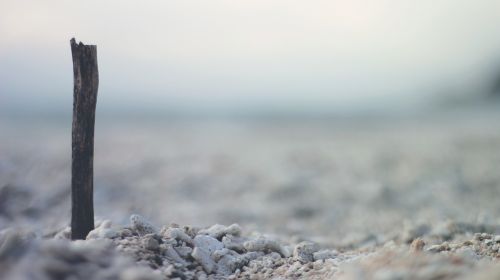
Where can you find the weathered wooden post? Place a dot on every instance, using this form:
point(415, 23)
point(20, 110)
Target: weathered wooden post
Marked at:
point(86, 82)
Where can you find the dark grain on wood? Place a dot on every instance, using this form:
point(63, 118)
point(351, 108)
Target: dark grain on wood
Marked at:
point(86, 82)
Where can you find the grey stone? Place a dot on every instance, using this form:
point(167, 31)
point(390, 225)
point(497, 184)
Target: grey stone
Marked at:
point(173, 254)
point(266, 245)
point(304, 251)
point(184, 251)
point(218, 231)
point(234, 243)
point(150, 243)
point(104, 230)
point(229, 263)
point(177, 234)
point(141, 225)
point(207, 243)
point(203, 257)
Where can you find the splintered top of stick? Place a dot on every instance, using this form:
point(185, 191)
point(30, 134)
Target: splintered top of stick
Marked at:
point(80, 49)
point(73, 43)
point(84, 64)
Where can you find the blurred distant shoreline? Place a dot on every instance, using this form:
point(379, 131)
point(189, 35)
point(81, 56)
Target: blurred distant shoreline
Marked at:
point(445, 115)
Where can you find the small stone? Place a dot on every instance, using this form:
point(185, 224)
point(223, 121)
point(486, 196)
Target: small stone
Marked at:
point(205, 246)
point(207, 243)
point(125, 232)
point(234, 243)
point(486, 235)
point(200, 275)
point(218, 231)
point(177, 234)
point(304, 251)
point(324, 254)
point(192, 231)
point(217, 255)
point(173, 254)
point(467, 243)
point(266, 245)
point(203, 258)
point(141, 225)
point(229, 263)
point(104, 230)
point(435, 248)
point(274, 256)
point(417, 245)
point(184, 251)
point(252, 255)
point(150, 243)
point(495, 247)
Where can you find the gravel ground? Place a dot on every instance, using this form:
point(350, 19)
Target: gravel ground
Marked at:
point(143, 251)
point(318, 199)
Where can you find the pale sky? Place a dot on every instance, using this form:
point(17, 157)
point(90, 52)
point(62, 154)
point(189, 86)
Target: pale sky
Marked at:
point(221, 54)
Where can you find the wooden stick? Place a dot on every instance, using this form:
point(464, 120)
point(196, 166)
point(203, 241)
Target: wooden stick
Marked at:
point(86, 82)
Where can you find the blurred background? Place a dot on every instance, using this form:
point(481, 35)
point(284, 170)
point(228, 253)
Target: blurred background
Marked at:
point(339, 119)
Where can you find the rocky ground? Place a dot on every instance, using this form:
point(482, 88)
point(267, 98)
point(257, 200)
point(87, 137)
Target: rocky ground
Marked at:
point(142, 251)
point(316, 199)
